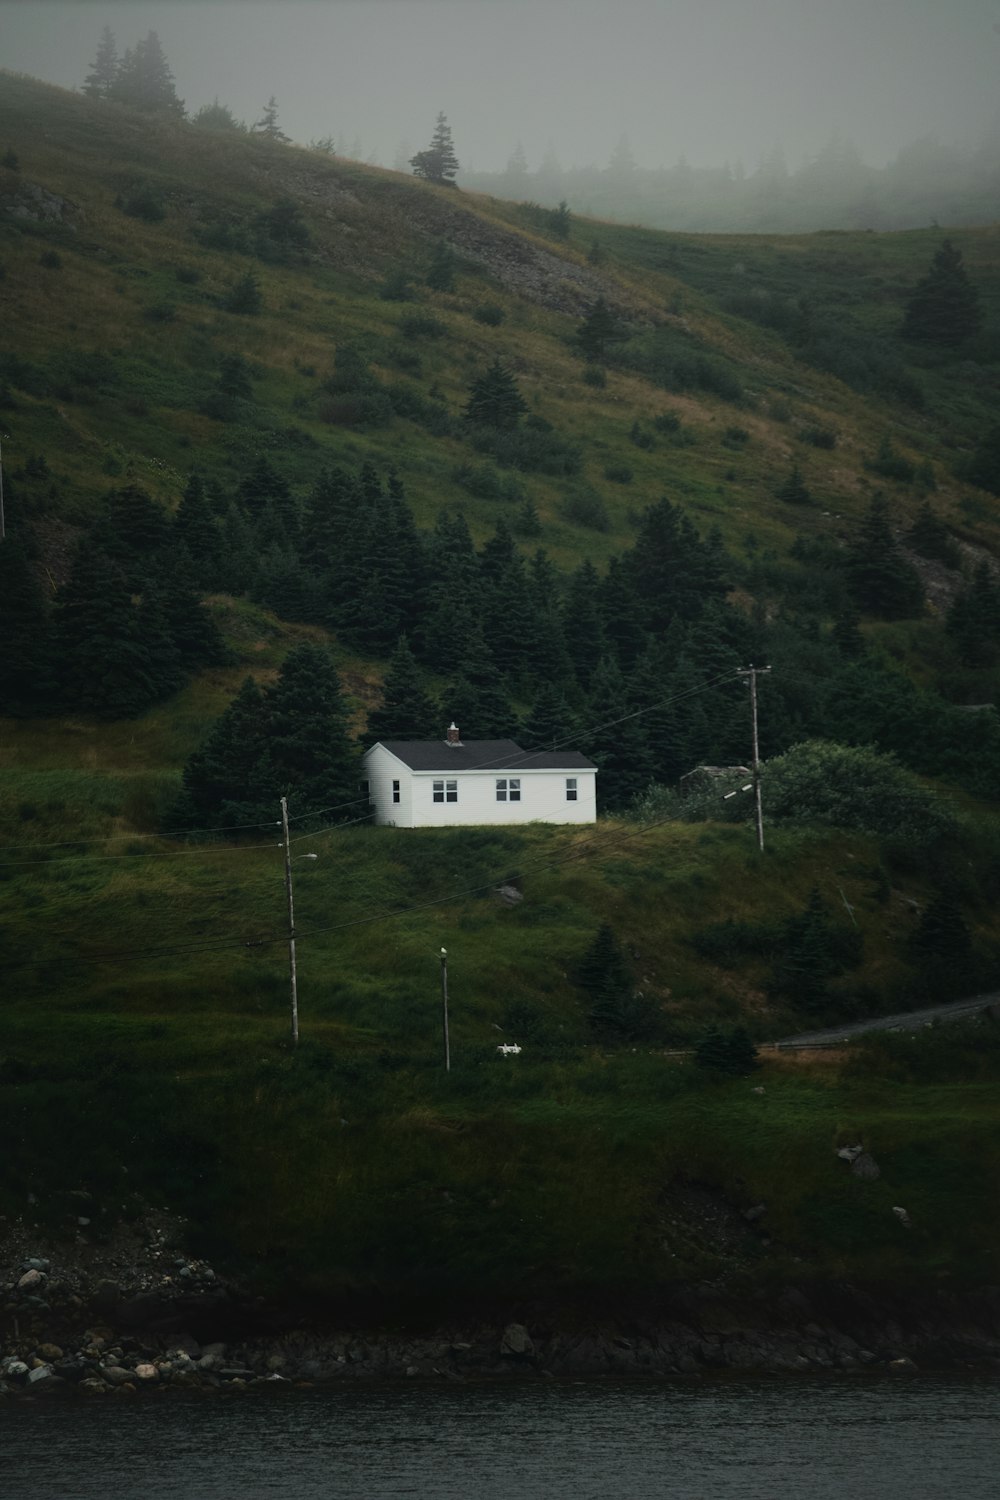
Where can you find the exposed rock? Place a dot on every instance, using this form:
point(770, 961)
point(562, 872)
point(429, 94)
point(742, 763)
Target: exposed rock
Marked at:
point(866, 1167)
point(30, 1280)
point(517, 1342)
point(903, 1218)
point(34, 202)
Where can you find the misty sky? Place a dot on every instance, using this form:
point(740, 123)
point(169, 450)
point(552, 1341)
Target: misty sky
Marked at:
point(710, 80)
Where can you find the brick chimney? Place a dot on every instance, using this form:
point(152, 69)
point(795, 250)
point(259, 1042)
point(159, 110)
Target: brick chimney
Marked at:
point(453, 737)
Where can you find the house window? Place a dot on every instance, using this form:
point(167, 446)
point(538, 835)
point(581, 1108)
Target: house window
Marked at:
point(395, 791)
point(509, 789)
point(570, 788)
point(445, 791)
point(366, 789)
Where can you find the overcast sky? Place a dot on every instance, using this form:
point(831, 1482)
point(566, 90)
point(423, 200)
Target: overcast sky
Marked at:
point(710, 80)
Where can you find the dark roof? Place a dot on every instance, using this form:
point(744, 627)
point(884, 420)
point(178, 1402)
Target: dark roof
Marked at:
point(481, 755)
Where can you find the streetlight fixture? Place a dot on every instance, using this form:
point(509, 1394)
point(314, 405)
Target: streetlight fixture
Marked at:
point(444, 1008)
point(292, 974)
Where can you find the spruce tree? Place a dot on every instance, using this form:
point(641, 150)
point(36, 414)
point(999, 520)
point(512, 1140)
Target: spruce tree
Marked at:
point(616, 739)
point(729, 1051)
point(144, 81)
point(475, 698)
point(882, 581)
point(793, 490)
point(551, 721)
point(931, 538)
point(441, 271)
point(196, 528)
point(439, 162)
point(944, 308)
point(313, 758)
point(244, 296)
point(100, 80)
point(406, 711)
point(229, 779)
point(494, 400)
point(106, 663)
point(973, 620)
point(599, 330)
point(583, 626)
point(267, 126)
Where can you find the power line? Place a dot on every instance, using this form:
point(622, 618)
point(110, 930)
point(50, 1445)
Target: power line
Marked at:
point(180, 833)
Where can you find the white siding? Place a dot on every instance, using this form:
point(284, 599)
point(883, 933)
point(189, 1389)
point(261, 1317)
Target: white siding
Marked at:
point(543, 795)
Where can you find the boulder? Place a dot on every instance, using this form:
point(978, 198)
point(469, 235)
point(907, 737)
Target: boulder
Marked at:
point(866, 1167)
point(517, 1342)
point(30, 1280)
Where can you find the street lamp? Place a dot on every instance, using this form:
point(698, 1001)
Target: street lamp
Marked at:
point(444, 1008)
point(293, 977)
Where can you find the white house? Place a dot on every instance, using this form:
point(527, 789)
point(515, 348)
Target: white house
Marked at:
point(439, 784)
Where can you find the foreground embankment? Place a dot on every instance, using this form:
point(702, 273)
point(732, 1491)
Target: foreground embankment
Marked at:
point(190, 1329)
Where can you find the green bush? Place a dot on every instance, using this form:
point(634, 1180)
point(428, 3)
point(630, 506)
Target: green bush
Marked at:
point(618, 473)
point(144, 203)
point(491, 314)
point(586, 508)
point(422, 326)
point(531, 451)
point(595, 376)
point(819, 437)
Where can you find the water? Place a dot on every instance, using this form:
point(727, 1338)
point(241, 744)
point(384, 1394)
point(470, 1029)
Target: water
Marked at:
point(916, 1439)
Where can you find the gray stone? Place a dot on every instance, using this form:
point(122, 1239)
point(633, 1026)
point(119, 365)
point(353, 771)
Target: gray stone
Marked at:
point(91, 1387)
point(30, 1280)
point(147, 1373)
point(41, 1375)
point(866, 1167)
point(902, 1365)
point(903, 1218)
point(115, 1374)
point(517, 1342)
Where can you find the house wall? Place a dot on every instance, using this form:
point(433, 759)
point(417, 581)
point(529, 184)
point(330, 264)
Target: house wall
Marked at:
point(543, 796)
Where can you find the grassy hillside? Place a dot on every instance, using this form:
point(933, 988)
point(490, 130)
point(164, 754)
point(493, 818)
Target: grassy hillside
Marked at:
point(145, 1014)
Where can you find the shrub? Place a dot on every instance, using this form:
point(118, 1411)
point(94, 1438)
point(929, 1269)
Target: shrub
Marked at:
point(245, 296)
point(144, 203)
point(491, 314)
point(736, 437)
point(618, 473)
point(51, 260)
point(729, 1051)
point(396, 287)
point(160, 312)
point(187, 275)
point(488, 483)
point(586, 508)
point(595, 376)
point(531, 451)
point(890, 464)
point(667, 422)
point(421, 326)
point(819, 437)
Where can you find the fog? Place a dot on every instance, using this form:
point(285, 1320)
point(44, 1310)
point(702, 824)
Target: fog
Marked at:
point(706, 81)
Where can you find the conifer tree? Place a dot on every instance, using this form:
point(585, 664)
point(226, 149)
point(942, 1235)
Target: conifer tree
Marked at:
point(229, 779)
point(441, 271)
point(729, 1051)
point(439, 162)
point(599, 330)
point(847, 635)
point(475, 698)
point(931, 538)
point(494, 399)
point(313, 758)
point(551, 721)
point(406, 711)
point(267, 126)
point(452, 595)
point(882, 581)
point(583, 628)
point(622, 614)
point(615, 1011)
point(216, 116)
point(197, 530)
point(100, 80)
point(244, 296)
point(974, 619)
point(105, 659)
point(793, 489)
point(944, 308)
point(616, 739)
point(144, 81)
point(134, 530)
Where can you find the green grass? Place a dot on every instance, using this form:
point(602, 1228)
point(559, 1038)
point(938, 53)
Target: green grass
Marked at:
point(125, 1045)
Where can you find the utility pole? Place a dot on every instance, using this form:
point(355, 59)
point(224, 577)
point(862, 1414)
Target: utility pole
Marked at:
point(444, 1008)
point(3, 531)
point(291, 922)
point(753, 673)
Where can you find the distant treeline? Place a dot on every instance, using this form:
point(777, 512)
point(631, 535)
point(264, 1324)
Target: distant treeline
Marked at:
point(835, 189)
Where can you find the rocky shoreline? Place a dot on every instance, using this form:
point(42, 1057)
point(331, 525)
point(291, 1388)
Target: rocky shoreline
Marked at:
point(117, 1324)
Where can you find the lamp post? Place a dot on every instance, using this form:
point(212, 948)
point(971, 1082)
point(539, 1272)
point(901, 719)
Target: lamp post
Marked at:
point(444, 1008)
point(292, 974)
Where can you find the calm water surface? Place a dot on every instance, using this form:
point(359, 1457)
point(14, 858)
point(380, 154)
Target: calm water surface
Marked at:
point(860, 1440)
